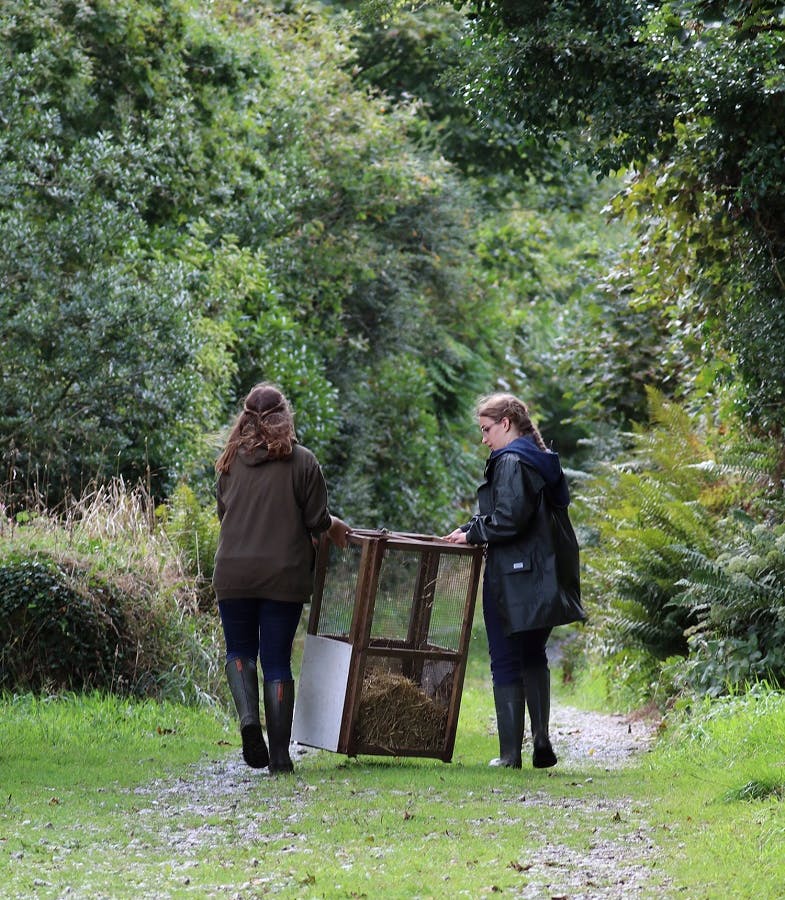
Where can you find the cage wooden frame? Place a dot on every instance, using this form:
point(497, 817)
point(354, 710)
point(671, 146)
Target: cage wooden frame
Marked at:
point(411, 653)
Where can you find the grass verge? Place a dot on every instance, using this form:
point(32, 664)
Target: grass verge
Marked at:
point(718, 784)
point(104, 797)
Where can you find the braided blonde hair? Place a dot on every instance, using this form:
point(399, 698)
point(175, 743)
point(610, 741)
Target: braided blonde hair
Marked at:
point(508, 406)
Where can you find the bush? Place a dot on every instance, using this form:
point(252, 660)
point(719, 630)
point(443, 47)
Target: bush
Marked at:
point(193, 529)
point(738, 598)
point(646, 509)
point(98, 598)
point(55, 633)
point(63, 629)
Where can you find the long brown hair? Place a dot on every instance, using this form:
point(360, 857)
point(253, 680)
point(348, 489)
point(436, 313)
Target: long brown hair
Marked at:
point(508, 406)
point(266, 420)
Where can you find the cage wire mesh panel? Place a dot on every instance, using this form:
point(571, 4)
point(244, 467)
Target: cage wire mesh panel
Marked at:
point(453, 576)
point(404, 604)
point(395, 595)
point(338, 590)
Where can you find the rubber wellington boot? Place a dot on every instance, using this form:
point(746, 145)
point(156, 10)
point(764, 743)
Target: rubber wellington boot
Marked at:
point(244, 685)
point(509, 701)
point(538, 698)
point(278, 714)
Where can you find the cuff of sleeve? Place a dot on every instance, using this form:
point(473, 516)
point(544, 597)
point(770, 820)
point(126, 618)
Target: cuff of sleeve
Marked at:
point(322, 525)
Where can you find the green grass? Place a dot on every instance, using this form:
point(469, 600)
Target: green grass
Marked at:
point(714, 785)
point(719, 783)
point(102, 797)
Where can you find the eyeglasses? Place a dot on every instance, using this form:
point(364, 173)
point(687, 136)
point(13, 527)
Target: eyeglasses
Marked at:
point(486, 428)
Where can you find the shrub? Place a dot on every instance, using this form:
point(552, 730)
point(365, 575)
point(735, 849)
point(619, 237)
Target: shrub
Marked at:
point(646, 508)
point(53, 632)
point(738, 599)
point(98, 598)
point(193, 530)
point(61, 628)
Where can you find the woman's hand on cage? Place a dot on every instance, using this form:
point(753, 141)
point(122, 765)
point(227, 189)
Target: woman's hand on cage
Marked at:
point(338, 532)
point(456, 537)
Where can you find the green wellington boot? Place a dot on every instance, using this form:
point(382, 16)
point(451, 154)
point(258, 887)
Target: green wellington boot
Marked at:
point(244, 685)
point(509, 701)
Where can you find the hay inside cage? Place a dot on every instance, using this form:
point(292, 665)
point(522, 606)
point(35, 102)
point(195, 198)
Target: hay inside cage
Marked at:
point(395, 713)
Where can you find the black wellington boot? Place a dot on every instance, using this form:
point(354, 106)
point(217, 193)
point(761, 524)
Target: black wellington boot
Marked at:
point(538, 698)
point(509, 700)
point(278, 714)
point(243, 683)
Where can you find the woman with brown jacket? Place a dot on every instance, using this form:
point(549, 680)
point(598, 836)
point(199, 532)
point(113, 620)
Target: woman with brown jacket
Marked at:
point(272, 504)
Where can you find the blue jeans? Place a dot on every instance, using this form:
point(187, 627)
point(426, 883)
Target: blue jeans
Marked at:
point(510, 656)
point(264, 629)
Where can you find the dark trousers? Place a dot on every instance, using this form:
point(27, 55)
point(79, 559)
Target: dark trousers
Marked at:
point(510, 656)
point(263, 628)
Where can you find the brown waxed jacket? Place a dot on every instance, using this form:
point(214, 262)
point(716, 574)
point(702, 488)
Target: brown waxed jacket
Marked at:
point(269, 510)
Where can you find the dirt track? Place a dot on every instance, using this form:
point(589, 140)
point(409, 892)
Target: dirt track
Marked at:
point(615, 862)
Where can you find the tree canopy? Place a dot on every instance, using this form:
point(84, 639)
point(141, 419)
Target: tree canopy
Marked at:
point(690, 96)
point(193, 202)
point(581, 202)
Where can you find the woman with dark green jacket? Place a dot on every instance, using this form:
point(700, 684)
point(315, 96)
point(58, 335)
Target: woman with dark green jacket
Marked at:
point(531, 581)
point(272, 504)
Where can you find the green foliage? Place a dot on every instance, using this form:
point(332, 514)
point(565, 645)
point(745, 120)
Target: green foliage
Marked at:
point(193, 530)
point(690, 94)
point(686, 589)
point(572, 78)
point(646, 508)
point(96, 599)
point(194, 200)
point(408, 56)
point(254, 335)
point(407, 492)
point(738, 598)
point(54, 634)
point(718, 252)
point(67, 629)
point(369, 263)
point(573, 348)
point(99, 167)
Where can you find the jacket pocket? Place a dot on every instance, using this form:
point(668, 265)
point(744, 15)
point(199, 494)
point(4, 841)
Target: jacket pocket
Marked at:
point(517, 594)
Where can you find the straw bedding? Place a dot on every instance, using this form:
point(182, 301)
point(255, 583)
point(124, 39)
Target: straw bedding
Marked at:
point(395, 713)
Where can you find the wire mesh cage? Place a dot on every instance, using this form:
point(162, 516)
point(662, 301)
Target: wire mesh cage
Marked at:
point(386, 647)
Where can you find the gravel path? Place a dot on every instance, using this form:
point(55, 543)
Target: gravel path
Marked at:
point(616, 861)
point(615, 867)
point(606, 740)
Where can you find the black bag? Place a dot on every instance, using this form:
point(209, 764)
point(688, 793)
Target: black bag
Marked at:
point(568, 565)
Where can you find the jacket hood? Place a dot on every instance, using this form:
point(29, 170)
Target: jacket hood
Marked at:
point(254, 457)
point(545, 462)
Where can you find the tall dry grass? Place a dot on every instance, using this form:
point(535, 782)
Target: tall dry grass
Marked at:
point(110, 543)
